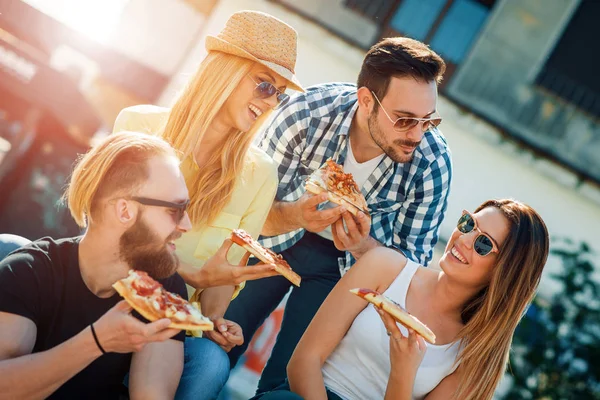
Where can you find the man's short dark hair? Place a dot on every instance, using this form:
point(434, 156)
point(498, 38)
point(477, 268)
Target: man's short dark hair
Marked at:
point(399, 57)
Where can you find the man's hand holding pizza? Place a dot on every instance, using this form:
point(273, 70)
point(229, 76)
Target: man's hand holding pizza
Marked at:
point(354, 236)
point(120, 332)
point(226, 334)
point(312, 219)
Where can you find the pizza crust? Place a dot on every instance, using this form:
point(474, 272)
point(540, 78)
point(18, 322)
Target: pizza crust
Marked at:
point(396, 311)
point(332, 197)
point(354, 201)
point(265, 257)
point(151, 315)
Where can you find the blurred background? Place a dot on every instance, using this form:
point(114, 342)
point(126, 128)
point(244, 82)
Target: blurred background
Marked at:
point(520, 102)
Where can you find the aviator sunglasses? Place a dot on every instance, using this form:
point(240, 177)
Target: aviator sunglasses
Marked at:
point(483, 244)
point(265, 89)
point(177, 208)
point(404, 124)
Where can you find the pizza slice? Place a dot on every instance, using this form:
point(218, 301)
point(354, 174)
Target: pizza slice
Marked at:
point(243, 239)
point(396, 311)
point(340, 187)
point(149, 298)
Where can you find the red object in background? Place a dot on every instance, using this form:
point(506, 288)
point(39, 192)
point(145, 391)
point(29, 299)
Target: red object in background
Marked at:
point(262, 344)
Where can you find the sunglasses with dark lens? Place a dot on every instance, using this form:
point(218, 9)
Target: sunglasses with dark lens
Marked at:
point(265, 89)
point(404, 124)
point(177, 208)
point(483, 244)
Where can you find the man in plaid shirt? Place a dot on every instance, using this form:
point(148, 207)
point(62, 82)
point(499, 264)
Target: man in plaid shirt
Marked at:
point(384, 131)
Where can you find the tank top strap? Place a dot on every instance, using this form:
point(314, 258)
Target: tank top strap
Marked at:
point(399, 287)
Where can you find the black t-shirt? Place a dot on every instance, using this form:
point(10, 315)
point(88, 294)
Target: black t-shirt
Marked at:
point(42, 282)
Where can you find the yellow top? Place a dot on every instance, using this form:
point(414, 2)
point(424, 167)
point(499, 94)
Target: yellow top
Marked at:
point(250, 202)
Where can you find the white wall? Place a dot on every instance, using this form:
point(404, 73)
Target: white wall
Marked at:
point(485, 166)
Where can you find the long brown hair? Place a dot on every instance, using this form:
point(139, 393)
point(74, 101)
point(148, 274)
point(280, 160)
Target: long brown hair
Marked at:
point(491, 317)
point(210, 189)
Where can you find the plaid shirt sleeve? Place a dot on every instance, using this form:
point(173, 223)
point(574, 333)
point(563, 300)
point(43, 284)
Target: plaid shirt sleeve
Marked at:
point(284, 141)
point(419, 218)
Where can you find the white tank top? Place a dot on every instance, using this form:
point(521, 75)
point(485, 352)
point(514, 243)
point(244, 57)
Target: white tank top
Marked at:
point(359, 367)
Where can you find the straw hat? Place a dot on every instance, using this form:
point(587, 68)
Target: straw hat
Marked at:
point(262, 38)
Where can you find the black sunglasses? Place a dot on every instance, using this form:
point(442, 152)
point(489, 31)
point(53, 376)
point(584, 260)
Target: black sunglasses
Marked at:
point(483, 244)
point(265, 89)
point(178, 208)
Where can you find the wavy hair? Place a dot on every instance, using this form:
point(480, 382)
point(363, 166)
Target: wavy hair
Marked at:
point(115, 166)
point(211, 188)
point(492, 315)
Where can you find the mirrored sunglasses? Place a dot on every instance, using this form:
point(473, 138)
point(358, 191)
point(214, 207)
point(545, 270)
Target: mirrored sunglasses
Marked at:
point(403, 124)
point(483, 244)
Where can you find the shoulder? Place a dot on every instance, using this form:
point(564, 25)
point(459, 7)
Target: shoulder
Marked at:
point(382, 265)
point(322, 100)
point(434, 148)
point(144, 118)
point(37, 253)
point(262, 165)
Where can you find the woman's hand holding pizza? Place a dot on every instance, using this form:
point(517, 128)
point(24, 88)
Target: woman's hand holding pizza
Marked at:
point(217, 271)
point(119, 332)
point(406, 353)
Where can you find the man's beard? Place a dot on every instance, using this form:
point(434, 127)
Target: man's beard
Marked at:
point(143, 250)
point(378, 137)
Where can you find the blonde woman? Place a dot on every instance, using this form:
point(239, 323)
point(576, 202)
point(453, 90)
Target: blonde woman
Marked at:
point(231, 183)
point(473, 303)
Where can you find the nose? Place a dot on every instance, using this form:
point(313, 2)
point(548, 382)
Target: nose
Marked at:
point(416, 133)
point(185, 224)
point(272, 100)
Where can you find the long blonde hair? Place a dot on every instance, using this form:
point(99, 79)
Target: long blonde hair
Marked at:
point(210, 189)
point(491, 317)
point(115, 166)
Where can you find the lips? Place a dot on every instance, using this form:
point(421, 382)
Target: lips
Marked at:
point(454, 251)
point(257, 112)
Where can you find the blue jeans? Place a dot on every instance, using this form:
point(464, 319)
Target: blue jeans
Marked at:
point(205, 370)
point(9, 243)
point(283, 392)
point(315, 259)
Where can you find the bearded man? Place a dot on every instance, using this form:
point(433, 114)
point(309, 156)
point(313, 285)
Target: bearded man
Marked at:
point(64, 331)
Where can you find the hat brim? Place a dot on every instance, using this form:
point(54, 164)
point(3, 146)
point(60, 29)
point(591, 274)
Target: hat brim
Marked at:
point(214, 43)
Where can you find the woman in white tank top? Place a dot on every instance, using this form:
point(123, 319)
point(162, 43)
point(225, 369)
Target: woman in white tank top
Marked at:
point(489, 273)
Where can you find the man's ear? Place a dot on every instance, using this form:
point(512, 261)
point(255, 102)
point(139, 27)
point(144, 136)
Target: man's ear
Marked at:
point(125, 212)
point(366, 100)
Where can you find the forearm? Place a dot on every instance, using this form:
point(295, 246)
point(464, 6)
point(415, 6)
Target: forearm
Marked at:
point(215, 300)
point(370, 243)
point(306, 378)
point(399, 386)
point(37, 376)
point(281, 219)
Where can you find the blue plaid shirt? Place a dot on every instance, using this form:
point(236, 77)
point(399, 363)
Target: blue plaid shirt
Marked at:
point(407, 201)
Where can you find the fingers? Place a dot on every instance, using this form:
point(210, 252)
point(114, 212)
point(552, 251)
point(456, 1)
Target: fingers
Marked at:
point(224, 249)
point(389, 322)
point(314, 200)
point(163, 335)
point(221, 324)
point(341, 234)
point(245, 258)
point(364, 224)
point(328, 216)
point(123, 306)
point(218, 338)
point(254, 272)
point(154, 327)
